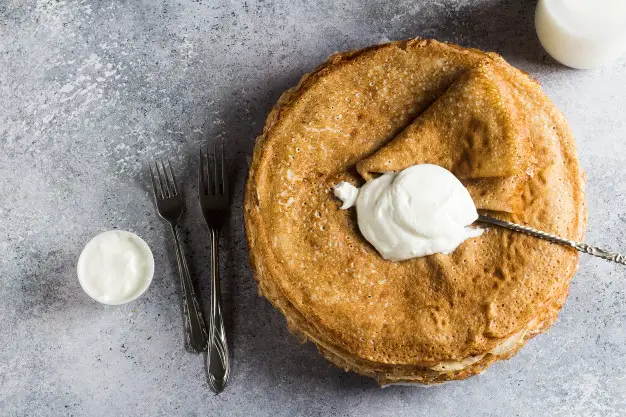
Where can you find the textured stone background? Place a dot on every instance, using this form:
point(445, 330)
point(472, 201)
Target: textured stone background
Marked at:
point(90, 90)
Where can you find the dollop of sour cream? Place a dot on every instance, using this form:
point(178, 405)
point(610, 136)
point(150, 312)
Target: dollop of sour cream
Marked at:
point(419, 211)
point(115, 267)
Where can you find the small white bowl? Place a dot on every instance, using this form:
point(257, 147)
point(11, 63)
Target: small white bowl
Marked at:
point(115, 267)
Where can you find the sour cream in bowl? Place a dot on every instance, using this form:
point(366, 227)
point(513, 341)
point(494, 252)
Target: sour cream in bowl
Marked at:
point(115, 267)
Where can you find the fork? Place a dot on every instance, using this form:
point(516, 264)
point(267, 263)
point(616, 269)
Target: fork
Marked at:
point(214, 201)
point(579, 246)
point(170, 205)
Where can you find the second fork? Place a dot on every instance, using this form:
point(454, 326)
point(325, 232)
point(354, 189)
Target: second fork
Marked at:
point(214, 201)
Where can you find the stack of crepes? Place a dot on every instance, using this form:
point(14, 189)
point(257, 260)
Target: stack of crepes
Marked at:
point(441, 317)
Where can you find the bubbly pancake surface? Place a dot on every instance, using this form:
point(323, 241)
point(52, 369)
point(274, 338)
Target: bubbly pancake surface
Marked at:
point(313, 264)
point(476, 131)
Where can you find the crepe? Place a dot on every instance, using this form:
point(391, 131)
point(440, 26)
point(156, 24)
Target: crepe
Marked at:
point(403, 321)
point(475, 130)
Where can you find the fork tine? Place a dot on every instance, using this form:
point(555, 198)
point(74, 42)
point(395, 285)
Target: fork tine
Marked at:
point(169, 174)
point(162, 181)
point(166, 180)
point(216, 178)
point(157, 194)
point(201, 177)
point(224, 179)
point(210, 178)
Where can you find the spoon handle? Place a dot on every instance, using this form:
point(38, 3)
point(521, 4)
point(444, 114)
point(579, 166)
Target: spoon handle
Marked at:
point(579, 246)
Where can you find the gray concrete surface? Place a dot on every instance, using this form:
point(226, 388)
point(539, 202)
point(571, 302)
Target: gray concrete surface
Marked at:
point(89, 90)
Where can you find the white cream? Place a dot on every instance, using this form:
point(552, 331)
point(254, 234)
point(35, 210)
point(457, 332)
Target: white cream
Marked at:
point(347, 193)
point(582, 33)
point(115, 267)
point(419, 211)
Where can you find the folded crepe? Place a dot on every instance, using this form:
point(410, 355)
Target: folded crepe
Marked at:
point(477, 130)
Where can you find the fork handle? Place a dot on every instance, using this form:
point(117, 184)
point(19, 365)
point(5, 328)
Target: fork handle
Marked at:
point(218, 360)
point(195, 331)
point(579, 246)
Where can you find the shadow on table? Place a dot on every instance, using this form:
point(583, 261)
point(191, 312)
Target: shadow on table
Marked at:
point(52, 286)
point(503, 26)
point(241, 118)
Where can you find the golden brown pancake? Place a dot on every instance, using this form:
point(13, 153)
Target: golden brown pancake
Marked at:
point(475, 130)
point(397, 320)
